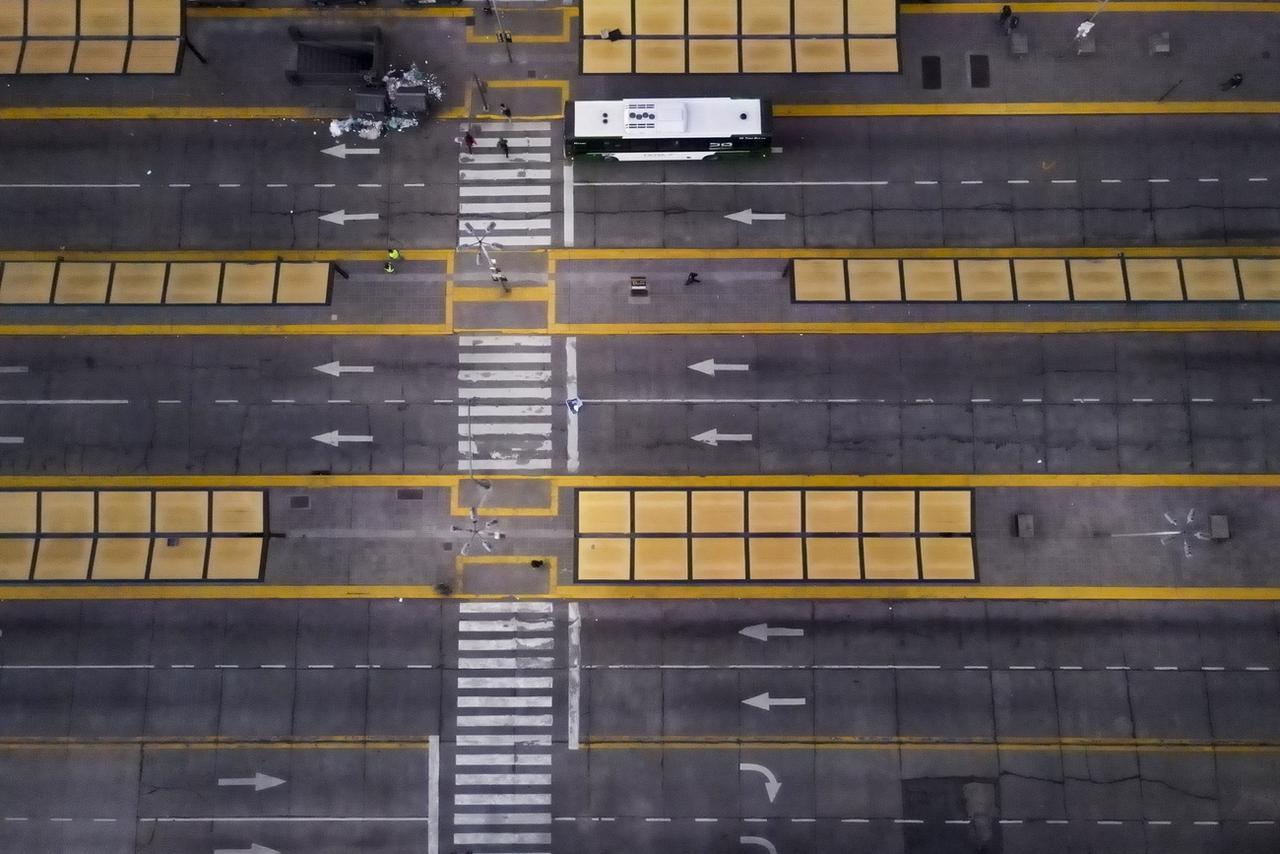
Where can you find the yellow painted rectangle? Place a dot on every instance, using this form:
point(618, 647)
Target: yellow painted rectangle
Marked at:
point(604, 512)
point(659, 18)
point(889, 559)
point(238, 512)
point(122, 558)
point(606, 57)
point(235, 558)
point(82, 283)
point(820, 17)
point(833, 559)
point(869, 56)
point(872, 17)
point(153, 57)
point(1154, 276)
point(1210, 275)
point(662, 559)
point(776, 558)
point(713, 57)
point(766, 18)
point(945, 511)
point(182, 560)
point(103, 18)
point(662, 512)
point(12, 17)
point(26, 282)
point(138, 284)
point(932, 280)
point(66, 512)
point(62, 559)
point(820, 56)
point(717, 511)
point(253, 284)
point(1041, 279)
point(182, 512)
point(15, 558)
point(946, 558)
point(51, 18)
point(47, 57)
point(773, 511)
point(766, 56)
point(10, 53)
point(303, 284)
point(1259, 278)
point(890, 512)
point(157, 17)
point(17, 512)
point(100, 56)
point(874, 280)
point(604, 559)
point(121, 512)
point(660, 56)
point(1097, 279)
point(831, 511)
point(719, 559)
point(713, 18)
point(819, 280)
point(193, 284)
point(985, 280)
point(599, 16)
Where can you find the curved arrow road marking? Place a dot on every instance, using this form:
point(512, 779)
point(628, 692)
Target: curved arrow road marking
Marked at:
point(771, 784)
point(758, 840)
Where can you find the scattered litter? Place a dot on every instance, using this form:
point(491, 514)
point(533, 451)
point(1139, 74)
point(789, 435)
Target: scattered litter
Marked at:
point(398, 119)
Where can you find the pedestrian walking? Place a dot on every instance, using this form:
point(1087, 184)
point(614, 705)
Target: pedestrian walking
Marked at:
point(393, 255)
point(1006, 12)
point(1233, 82)
point(505, 110)
point(1011, 24)
point(504, 147)
point(388, 267)
point(692, 279)
point(469, 141)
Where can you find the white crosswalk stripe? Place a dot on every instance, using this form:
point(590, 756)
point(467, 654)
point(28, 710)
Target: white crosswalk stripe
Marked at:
point(503, 189)
point(503, 763)
point(493, 370)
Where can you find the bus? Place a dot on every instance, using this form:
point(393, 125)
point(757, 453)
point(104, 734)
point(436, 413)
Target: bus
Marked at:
point(668, 128)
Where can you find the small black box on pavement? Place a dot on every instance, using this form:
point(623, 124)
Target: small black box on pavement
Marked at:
point(411, 102)
point(374, 103)
point(1025, 526)
point(1218, 528)
point(639, 286)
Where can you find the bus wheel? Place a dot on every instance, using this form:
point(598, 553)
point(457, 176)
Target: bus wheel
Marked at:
point(711, 158)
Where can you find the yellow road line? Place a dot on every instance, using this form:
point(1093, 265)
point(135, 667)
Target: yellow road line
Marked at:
point(166, 113)
point(956, 327)
point(764, 481)
point(266, 329)
point(336, 12)
point(1139, 745)
point(439, 255)
point(337, 742)
point(1032, 108)
point(853, 592)
point(787, 254)
point(1089, 8)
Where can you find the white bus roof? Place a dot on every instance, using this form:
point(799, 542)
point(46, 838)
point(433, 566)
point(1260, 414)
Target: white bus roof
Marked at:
point(638, 118)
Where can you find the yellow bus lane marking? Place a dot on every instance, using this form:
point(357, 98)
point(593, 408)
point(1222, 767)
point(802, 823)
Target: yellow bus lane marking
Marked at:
point(852, 742)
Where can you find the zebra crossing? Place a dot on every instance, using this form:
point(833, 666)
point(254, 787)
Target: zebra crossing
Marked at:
point(506, 195)
point(504, 414)
point(505, 726)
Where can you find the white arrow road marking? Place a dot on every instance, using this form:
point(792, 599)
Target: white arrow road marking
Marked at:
point(771, 784)
point(341, 151)
point(765, 702)
point(710, 366)
point(762, 632)
point(335, 369)
point(758, 840)
point(13, 369)
point(334, 438)
point(255, 848)
point(342, 217)
point(259, 781)
point(714, 437)
point(749, 217)
point(11, 440)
